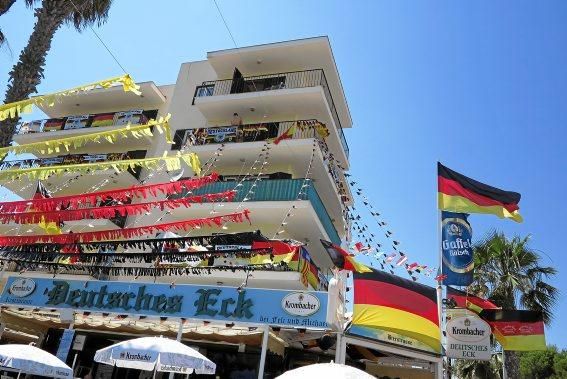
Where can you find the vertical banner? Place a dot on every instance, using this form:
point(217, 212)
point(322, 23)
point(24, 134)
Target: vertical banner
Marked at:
point(456, 246)
point(65, 344)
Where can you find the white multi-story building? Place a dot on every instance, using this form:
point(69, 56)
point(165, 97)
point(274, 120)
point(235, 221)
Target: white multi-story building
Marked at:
point(228, 109)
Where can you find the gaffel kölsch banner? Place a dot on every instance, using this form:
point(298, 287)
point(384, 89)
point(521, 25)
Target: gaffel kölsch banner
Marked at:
point(303, 309)
point(456, 246)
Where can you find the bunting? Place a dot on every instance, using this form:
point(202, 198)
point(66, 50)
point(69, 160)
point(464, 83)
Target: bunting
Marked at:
point(121, 195)
point(75, 142)
point(12, 110)
point(172, 163)
point(136, 271)
point(70, 238)
point(110, 211)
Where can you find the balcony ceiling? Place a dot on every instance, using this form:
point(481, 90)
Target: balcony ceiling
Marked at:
point(113, 99)
point(298, 55)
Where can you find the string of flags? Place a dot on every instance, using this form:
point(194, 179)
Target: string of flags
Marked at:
point(374, 249)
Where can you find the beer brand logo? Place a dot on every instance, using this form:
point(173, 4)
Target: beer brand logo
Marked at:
point(468, 330)
point(455, 230)
point(300, 304)
point(22, 287)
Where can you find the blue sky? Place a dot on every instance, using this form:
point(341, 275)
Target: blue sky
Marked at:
point(481, 86)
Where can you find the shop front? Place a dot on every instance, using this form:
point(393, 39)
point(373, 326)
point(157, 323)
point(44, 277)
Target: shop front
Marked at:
point(247, 332)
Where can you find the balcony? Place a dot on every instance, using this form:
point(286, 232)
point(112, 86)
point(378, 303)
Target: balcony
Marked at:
point(245, 133)
point(70, 182)
point(69, 126)
point(286, 277)
point(277, 191)
point(251, 133)
point(289, 93)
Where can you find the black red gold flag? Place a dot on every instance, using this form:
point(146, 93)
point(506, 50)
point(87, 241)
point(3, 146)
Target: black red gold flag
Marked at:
point(343, 260)
point(388, 302)
point(459, 193)
point(516, 330)
point(462, 299)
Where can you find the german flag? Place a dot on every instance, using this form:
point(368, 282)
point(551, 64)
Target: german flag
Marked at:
point(388, 302)
point(462, 299)
point(458, 193)
point(343, 260)
point(516, 330)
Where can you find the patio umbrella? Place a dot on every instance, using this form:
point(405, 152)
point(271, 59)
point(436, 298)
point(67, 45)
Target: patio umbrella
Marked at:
point(27, 359)
point(155, 354)
point(327, 371)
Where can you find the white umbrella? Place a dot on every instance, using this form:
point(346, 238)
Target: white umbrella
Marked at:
point(29, 359)
point(155, 354)
point(327, 371)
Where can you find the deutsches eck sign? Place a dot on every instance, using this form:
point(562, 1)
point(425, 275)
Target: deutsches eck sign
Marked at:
point(302, 309)
point(468, 337)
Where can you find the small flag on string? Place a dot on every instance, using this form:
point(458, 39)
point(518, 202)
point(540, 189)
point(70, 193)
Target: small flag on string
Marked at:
point(402, 259)
point(391, 257)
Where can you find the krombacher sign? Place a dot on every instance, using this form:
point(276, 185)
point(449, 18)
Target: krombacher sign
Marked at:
point(468, 337)
point(251, 305)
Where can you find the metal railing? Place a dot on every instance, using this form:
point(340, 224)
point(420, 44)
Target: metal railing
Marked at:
point(117, 119)
point(276, 190)
point(284, 80)
point(244, 133)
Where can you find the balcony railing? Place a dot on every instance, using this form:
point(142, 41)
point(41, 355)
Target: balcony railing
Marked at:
point(244, 133)
point(134, 117)
point(285, 80)
point(277, 190)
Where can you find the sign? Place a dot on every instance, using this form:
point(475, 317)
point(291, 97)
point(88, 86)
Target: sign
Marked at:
point(456, 245)
point(300, 304)
point(468, 338)
point(76, 122)
point(65, 344)
point(79, 342)
point(390, 337)
point(302, 309)
point(22, 287)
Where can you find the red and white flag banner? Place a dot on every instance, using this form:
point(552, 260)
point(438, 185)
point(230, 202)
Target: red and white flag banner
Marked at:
point(110, 211)
point(120, 194)
point(127, 233)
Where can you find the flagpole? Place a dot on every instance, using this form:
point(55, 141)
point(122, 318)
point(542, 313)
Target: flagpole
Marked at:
point(440, 297)
point(504, 372)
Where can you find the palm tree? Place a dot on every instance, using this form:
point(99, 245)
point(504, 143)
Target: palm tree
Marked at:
point(479, 369)
point(4, 7)
point(28, 72)
point(510, 274)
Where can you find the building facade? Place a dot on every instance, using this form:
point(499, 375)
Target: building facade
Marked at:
point(246, 280)
point(268, 120)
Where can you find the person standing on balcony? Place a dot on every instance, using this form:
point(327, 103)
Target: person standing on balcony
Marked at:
point(236, 120)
